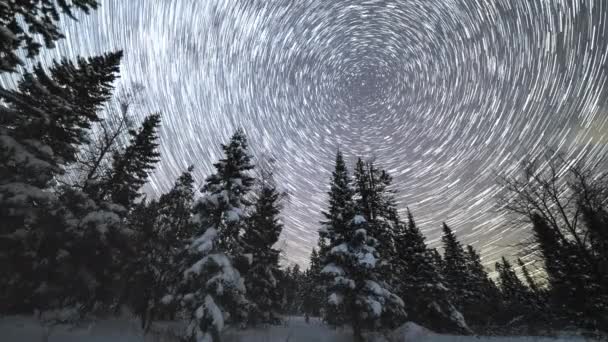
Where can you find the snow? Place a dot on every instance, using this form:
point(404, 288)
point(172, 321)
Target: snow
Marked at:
point(234, 214)
point(216, 314)
point(375, 307)
point(359, 219)
point(367, 259)
point(340, 249)
point(332, 269)
point(295, 329)
point(204, 243)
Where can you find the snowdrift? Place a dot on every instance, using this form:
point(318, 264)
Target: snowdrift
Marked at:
point(295, 329)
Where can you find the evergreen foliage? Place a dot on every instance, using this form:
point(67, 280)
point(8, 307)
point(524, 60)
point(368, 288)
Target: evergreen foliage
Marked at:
point(262, 233)
point(21, 22)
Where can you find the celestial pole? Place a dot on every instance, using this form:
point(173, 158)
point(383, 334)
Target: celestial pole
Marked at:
point(443, 94)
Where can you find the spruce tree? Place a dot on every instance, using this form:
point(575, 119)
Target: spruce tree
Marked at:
point(130, 168)
point(25, 23)
point(313, 293)
point(513, 290)
point(356, 290)
point(421, 285)
point(57, 242)
point(340, 210)
point(212, 288)
point(483, 293)
point(455, 267)
point(374, 198)
point(162, 228)
point(263, 229)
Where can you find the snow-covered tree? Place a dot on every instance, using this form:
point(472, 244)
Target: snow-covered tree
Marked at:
point(421, 285)
point(212, 289)
point(162, 229)
point(262, 232)
point(48, 233)
point(24, 23)
point(355, 290)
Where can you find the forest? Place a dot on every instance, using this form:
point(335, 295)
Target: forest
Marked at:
point(80, 238)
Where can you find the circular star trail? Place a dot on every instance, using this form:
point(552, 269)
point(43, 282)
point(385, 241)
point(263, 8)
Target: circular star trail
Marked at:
point(443, 94)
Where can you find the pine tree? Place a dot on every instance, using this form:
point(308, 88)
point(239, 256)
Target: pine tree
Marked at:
point(313, 291)
point(336, 226)
point(163, 228)
point(483, 293)
point(455, 267)
point(513, 290)
point(23, 21)
point(356, 292)
point(436, 258)
point(340, 210)
point(422, 287)
point(374, 198)
point(130, 168)
point(49, 231)
point(263, 230)
point(212, 289)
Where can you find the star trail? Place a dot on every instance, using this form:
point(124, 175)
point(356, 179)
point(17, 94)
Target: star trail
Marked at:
point(443, 94)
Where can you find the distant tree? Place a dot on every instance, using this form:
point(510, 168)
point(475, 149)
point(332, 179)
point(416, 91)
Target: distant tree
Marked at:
point(313, 292)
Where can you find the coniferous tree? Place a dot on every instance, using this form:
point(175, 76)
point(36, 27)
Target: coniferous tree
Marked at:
point(263, 230)
point(422, 287)
point(130, 168)
point(340, 210)
point(23, 21)
point(436, 258)
point(356, 289)
point(313, 294)
point(336, 225)
point(513, 290)
point(483, 293)
point(47, 117)
point(573, 293)
point(564, 202)
point(162, 228)
point(212, 288)
point(455, 267)
point(376, 201)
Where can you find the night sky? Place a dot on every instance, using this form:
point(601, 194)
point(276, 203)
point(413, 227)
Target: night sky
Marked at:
point(443, 94)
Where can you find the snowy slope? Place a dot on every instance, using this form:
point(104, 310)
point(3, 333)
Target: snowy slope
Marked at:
point(295, 329)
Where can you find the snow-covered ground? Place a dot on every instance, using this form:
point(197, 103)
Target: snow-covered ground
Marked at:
point(295, 329)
